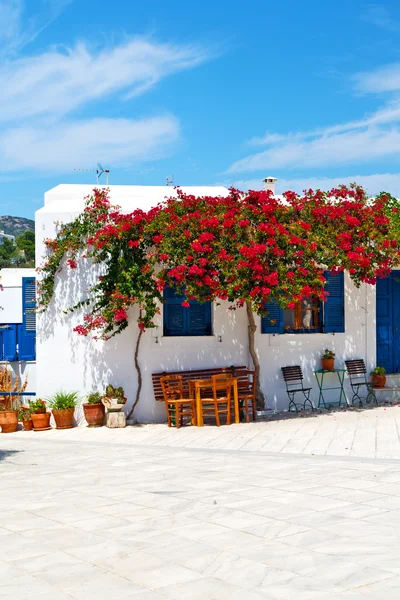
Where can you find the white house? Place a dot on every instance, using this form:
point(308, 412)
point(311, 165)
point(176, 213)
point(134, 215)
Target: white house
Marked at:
point(348, 325)
point(18, 323)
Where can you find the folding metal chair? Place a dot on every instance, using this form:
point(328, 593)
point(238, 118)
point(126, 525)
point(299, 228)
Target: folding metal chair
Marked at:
point(357, 372)
point(293, 378)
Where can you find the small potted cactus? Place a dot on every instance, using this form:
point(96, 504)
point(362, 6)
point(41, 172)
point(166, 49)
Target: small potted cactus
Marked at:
point(378, 377)
point(114, 398)
point(25, 417)
point(328, 360)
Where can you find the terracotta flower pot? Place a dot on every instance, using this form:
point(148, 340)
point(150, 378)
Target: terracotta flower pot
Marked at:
point(8, 421)
point(328, 364)
point(379, 381)
point(28, 424)
point(64, 418)
point(41, 421)
point(94, 414)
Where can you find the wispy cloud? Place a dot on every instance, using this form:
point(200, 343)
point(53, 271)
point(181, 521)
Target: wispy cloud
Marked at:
point(373, 137)
point(17, 29)
point(73, 144)
point(378, 15)
point(45, 95)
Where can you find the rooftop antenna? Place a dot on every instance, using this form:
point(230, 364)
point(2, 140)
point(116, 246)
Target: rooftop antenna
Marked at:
point(169, 181)
point(99, 172)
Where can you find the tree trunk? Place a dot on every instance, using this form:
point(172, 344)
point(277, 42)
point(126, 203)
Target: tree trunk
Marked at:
point(139, 375)
point(252, 329)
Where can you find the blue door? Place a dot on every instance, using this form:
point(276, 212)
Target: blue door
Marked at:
point(388, 323)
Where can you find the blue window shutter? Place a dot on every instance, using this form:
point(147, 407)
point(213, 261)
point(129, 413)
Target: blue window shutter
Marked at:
point(1, 344)
point(273, 321)
point(26, 345)
point(29, 305)
point(10, 343)
point(199, 318)
point(334, 319)
point(185, 321)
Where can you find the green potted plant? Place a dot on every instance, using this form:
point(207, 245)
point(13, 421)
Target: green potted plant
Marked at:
point(39, 415)
point(25, 417)
point(378, 377)
point(63, 406)
point(94, 410)
point(328, 360)
point(114, 398)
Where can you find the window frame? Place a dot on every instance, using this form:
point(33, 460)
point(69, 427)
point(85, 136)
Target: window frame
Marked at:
point(187, 331)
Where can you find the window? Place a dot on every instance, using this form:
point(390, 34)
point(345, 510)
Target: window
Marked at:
point(304, 317)
point(310, 315)
point(185, 321)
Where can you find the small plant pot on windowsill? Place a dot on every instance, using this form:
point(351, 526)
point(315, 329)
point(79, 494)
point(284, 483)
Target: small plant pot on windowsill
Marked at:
point(64, 418)
point(94, 414)
point(379, 381)
point(328, 364)
point(8, 421)
point(41, 421)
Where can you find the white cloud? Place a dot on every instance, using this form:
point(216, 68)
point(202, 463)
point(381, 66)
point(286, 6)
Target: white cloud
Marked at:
point(43, 127)
point(373, 184)
point(382, 80)
point(16, 31)
point(111, 140)
point(378, 15)
point(60, 81)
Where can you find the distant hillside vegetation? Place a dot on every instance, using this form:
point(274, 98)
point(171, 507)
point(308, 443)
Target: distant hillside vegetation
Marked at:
point(16, 225)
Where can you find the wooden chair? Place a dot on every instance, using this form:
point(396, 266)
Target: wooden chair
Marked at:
point(293, 378)
point(247, 394)
point(220, 402)
point(177, 406)
point(357, 372)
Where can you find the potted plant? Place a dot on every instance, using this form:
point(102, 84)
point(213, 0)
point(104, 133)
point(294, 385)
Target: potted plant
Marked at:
point(94, 410)
point(8, 415)
point(114, 398)
point(63, 406)
point(39, 415)
point(328, 360)
point(24, 417)
point(378, 377)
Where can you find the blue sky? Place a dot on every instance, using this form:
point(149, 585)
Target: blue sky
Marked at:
point(221, 92)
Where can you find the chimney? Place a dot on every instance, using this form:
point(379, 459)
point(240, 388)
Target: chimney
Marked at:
point(269, 183)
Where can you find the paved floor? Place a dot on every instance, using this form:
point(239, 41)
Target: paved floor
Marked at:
point(306, 508)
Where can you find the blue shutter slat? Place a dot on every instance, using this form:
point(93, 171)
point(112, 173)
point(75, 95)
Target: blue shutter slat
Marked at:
point(334, 318)
point(10, 343)
point(273, 321)
point(26, 345)
point(29, 305)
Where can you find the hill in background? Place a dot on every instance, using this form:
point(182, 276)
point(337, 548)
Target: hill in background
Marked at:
point(16, 225)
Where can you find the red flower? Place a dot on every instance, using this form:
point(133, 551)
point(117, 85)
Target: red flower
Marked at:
point(164, 256)
point(133, 243)
point(120, 315)
point(72, 263)
point(186, 304)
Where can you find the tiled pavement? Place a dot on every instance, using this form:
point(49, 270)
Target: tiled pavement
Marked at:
point(305, 508)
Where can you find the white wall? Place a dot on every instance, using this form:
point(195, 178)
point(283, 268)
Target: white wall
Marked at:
point(11, 296)
point(66, 360)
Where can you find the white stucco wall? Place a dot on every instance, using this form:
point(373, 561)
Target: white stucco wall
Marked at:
point(66, 360)
point(11, 296)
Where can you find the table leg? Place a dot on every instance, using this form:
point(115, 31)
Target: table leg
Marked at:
point(199, 411)
point(236, 402)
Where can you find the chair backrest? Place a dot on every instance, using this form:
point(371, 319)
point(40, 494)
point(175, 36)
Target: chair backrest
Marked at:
point(356, 370)
point(172, 387)
point(292, 375)
point(222, 386)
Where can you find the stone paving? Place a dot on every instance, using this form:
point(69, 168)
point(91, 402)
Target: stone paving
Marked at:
point(304, 509)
